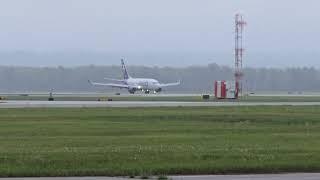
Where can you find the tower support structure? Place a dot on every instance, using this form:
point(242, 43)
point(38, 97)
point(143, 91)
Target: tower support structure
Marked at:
point(239, 51)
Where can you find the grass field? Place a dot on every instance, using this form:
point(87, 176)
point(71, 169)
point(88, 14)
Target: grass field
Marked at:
point(159, 141)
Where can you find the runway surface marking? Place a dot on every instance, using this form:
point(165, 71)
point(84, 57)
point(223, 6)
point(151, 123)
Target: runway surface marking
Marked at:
point(65, 104)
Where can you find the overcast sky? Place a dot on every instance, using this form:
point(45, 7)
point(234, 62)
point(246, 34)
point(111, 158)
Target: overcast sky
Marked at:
point(160, 26)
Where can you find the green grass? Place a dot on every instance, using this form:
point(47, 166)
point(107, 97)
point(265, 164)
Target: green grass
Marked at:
point(159, 141)
point(280, 99)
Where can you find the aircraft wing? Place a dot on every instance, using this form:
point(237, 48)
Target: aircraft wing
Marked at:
point(111, 79)
point(170, 84)
point(109, 84)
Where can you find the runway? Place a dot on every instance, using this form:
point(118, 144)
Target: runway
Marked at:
point(89, 104)
point(293, 176)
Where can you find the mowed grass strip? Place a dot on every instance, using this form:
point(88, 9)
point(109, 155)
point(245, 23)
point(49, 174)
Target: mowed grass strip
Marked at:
point(158, 141)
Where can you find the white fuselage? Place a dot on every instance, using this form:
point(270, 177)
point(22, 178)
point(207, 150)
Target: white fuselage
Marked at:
point(135, 84)
point(143, 84)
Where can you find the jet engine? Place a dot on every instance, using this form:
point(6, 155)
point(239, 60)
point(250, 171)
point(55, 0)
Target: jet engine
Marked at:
point(132, 90)
point(158, 90)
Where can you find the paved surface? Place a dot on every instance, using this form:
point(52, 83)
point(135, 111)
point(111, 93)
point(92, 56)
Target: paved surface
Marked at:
point(73, 94)
point(162, 94)
point(49, 104)
point(302, 176)
point(298, 176)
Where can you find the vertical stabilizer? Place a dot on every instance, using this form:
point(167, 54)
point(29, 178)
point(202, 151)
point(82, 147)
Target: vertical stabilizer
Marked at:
point(124, 70)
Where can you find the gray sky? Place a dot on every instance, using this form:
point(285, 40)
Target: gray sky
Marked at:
point(275, 29)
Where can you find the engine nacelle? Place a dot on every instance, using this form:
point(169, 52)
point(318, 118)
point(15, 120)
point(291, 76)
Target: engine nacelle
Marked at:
point(158, 90)
point(132, 90)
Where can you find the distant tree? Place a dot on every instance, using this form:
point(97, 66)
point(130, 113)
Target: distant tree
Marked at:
point(197, 79)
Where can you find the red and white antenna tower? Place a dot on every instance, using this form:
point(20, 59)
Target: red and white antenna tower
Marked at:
point(239, 28)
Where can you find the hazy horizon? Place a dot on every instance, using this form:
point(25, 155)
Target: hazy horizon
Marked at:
point(76, 59)
point(157, 33)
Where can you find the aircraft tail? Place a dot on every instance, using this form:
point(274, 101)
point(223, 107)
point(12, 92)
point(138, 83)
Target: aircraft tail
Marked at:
point(124, 70)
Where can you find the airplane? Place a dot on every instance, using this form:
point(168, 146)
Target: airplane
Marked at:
point(135, 84)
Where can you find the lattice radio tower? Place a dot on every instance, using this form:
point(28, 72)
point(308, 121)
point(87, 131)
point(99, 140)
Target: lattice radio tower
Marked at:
point(239, 29)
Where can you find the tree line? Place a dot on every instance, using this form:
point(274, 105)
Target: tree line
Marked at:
point(194, 79)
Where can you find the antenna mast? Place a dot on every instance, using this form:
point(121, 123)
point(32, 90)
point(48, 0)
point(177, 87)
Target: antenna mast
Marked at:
point(239, 28)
